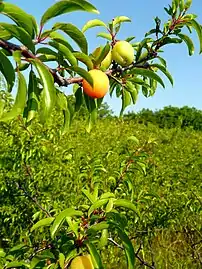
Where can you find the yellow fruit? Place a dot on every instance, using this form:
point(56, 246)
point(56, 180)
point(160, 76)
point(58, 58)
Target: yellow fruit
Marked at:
point(123, 53)
point(100, 84)
point(82, 262)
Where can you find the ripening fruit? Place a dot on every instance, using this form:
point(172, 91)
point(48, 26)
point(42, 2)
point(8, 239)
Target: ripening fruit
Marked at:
point(100, 84)
point(82, 262)
point(123, 53)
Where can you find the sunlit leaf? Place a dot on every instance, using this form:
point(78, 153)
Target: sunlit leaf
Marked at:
point(147, 73)
point(20, 34)
point(95, 256)
point(65, 51)
point(189, 43)
point(120, 19)
point(165, 71)
point(42, 223)
point(19, 16)
point(69, 212)
point(93, 23)
point(72, 31)
point(20, 100)
point(82, 57)
point(105, 35)
point(48, 94)
point(66, 6)
point(198, 29)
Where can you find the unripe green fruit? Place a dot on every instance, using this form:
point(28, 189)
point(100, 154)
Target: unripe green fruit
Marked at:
point(123, 53)
point(82, 262)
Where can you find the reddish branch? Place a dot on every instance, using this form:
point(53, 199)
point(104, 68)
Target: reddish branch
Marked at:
point(10, 47)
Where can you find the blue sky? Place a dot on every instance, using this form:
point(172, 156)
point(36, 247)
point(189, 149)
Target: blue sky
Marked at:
point(186, 70)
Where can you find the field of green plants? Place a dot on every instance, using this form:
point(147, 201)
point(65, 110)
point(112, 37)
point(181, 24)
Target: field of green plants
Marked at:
point(159, 170)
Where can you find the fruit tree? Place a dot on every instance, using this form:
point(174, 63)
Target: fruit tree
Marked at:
point(125, 68)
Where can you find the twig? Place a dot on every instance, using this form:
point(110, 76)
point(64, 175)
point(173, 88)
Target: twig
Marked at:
point(116, 244)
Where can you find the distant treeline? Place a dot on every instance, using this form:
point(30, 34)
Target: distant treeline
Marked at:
point(169, 117)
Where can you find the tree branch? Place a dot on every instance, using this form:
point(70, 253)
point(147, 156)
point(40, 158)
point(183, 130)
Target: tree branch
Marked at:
point(10, 48)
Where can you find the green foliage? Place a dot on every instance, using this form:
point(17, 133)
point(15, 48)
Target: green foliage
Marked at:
point(169, 117)
point(65, 199)
point(69, 60)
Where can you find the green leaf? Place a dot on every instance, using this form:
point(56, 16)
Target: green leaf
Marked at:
point(69, 212)
point(147, 73)
point(83, 73)
point(60, 39)
point(20, 100)
point(67, 6)
point(198, 29)
point(103, 239)
point(164, 70)
point(79, 98)
point(170, 40)
point(4, 34)
point(19, 16)
point(126, 100)
point(88, 195)
point(130, 87)
point(102, 54)
point(163, 61)
point(20, 34)
point(181, 5)
point(64, 51)
point(7, 70)
point(68, 116)
point(62, 260)
point(120, 19)
point(188, 4)
point(110, 205)
point(98, 227)
point(47, 51)
point(95, 256)
point(16, 264)
point(126, 204)
point(82, 57)
point(92, 109)
point(128, 248)
point(42, 223)
point(96, 205)
point(93, 23)
point(142, 44)
point(48, 94)
point(105, 35)
point(189, 43)
point(74, 33)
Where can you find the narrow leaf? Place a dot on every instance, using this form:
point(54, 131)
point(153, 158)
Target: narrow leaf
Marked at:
point(95, 256)
point(7, 70)
point(189, 43)
point(20, 34)
point(93, 23)
point(69, 212)
point(20, 100)
point(42, 223)
point(67, 6)
point(147, 73)
point(74, 33)
point(48, 94)
point(64, 51)
point(19, 16)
